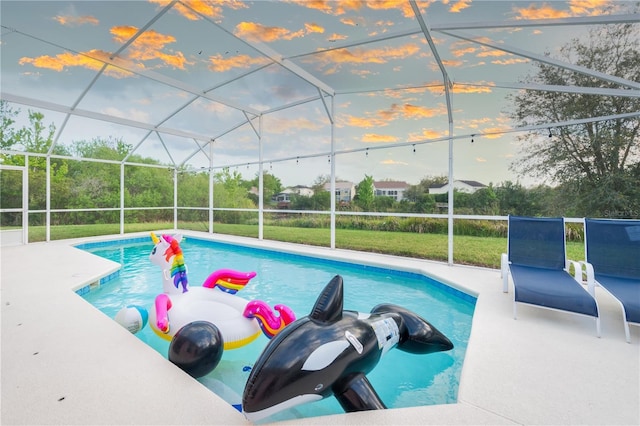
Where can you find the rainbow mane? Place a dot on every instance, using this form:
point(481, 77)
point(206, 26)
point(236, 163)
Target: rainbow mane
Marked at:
point(178, 268)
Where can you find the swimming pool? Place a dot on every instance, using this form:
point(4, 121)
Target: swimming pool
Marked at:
point(401, 379)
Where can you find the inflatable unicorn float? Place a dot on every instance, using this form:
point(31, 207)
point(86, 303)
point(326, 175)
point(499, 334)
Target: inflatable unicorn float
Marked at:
point(240, 321)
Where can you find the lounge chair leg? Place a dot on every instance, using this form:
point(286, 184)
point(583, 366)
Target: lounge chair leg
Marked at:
point(598, 327)
point(627, 334)
point(515, 311)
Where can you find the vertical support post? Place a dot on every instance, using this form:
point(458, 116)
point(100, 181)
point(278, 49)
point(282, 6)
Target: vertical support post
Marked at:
point(333, 178)
point(48, 199)
point(175, 198)
point(211, 187)
point(122, 198)
point(25, 202)
point(260, 183)
point(450, 199)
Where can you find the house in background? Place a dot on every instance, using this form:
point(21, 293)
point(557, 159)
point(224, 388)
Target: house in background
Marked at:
point(284, 198)
point(345, 191)
point(394, 189)
point(469, 186)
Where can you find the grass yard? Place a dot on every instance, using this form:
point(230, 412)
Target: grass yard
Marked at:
point(468, 250)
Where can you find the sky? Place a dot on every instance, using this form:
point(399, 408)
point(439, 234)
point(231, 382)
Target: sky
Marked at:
point(198, 72)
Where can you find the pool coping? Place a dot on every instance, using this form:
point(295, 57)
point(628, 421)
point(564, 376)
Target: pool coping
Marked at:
point(545, 368)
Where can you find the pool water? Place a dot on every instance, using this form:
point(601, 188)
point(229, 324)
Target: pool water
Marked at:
point(400, 379)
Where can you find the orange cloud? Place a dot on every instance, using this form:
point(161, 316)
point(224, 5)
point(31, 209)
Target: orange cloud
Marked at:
point(391, 162)
point(576, 8)
point(462, 88)
point(313, 28)
point(291, 126)
point(349, 21)
point(382, 118)
point(543, 11)
point(511, 61)
point(365, 122)
point(459, 5)
point(452, 63)
point(149, 46)
point(486, 53)
point(222, 64)
point(212, 9)
point(376, 138)
point(458, 52)
point(258, 32)
point(65, 60)
point(335, 58)
point(336, 37)
point(481, 160)
point(494, 132)
point(427, 134)
point(74, 21)
point(333, 7)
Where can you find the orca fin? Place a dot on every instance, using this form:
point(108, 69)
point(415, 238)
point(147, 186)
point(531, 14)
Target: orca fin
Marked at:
point(356, 394)
point(417, 335)
point(328, 307)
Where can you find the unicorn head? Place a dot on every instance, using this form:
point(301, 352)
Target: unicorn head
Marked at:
point(168, 255)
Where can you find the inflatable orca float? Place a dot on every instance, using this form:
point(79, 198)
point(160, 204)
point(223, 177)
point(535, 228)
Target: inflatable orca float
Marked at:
point(330, 351)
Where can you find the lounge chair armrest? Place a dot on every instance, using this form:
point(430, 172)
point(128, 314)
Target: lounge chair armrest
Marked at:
point(504, 272)
point(577, 270)
point(591, 277)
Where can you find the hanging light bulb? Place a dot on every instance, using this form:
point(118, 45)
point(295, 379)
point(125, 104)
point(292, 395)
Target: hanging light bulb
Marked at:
point(550, 134)
point(414, 148)
point(472, 138)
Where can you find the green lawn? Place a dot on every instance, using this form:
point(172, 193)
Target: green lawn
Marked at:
point(479, 251)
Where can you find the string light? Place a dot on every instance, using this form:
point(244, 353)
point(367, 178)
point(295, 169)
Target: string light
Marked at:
point(550, 134)
point(414, 148)
point(366, 153)
point(472, 138)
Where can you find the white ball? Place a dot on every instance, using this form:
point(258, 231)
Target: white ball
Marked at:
point(133, 318)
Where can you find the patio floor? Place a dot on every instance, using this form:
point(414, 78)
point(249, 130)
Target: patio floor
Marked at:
point(63, 362)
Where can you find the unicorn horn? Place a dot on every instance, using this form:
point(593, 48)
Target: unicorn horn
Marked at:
point(155, 239)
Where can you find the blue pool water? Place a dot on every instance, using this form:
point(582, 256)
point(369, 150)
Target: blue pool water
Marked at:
point(401, 379)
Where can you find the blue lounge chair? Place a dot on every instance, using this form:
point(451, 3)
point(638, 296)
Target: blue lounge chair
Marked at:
point(536, 260)
point(612, 252)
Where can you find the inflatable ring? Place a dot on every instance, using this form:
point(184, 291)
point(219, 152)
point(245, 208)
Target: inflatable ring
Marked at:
point(206, 304)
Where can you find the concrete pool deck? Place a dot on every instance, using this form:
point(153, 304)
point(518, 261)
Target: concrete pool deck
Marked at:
point(64, 362)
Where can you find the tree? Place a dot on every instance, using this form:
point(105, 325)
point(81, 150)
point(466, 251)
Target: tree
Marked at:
point(365, 193)
point(596, 163)
point(271, 185)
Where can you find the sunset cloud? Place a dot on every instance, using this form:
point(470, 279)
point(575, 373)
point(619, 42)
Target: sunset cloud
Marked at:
point(337, 8)
point(510, 61)
point(576, 8)
point(75, 21)
point(481, 160)
point(427, 134)
point(459, 5)
point(219, 63)
point(334, 58)
point(67, 60)
point(257, 32)
point(149, 46)
point(211, 9)
point(391, 162)
point(377, 138)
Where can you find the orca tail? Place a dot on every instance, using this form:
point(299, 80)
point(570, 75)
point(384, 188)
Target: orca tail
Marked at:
point(417, 335)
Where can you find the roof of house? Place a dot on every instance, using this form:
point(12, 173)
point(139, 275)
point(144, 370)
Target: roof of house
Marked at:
point(390, 184)
point(473, 183)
